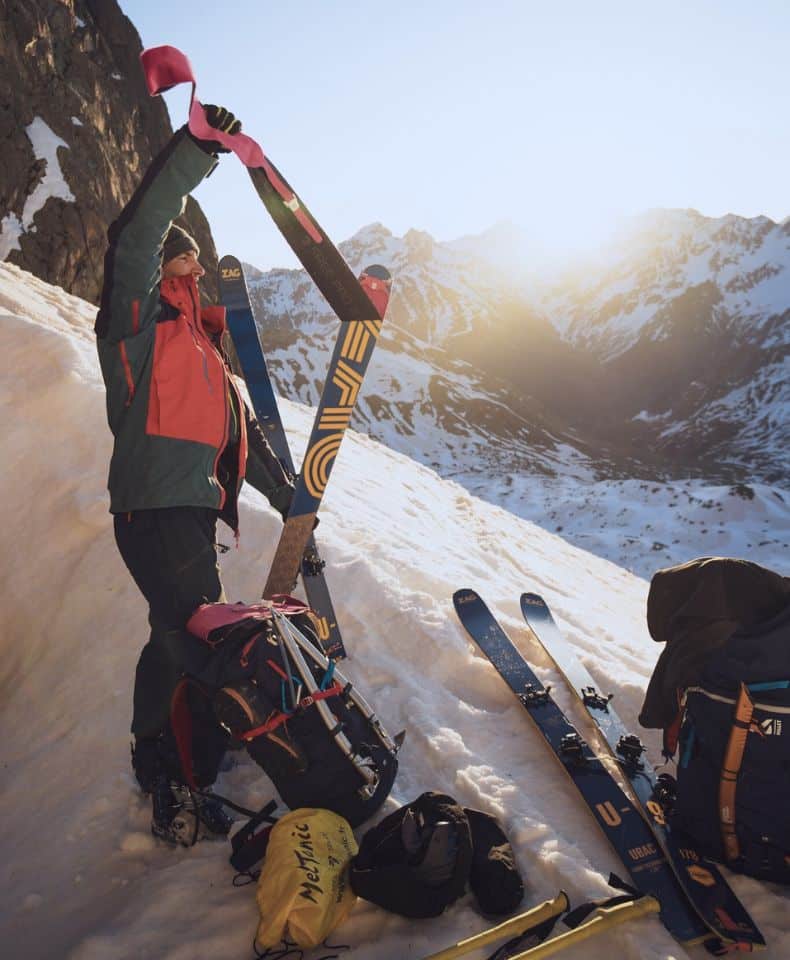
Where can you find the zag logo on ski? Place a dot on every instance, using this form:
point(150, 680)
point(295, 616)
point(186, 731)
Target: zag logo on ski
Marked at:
point(701, 879)
point(621, 822)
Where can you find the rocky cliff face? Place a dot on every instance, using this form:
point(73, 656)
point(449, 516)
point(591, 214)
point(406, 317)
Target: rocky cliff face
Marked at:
point(78, 131)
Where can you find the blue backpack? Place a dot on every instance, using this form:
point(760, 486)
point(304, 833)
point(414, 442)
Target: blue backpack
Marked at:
point(733, 782)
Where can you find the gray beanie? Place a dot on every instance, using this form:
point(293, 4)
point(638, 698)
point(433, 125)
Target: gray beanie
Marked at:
point(177, 241)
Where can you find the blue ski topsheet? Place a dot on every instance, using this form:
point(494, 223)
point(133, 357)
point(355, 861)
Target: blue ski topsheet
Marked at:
point(620, 821)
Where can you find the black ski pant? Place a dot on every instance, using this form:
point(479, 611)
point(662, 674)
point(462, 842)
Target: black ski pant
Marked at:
point(171, 554)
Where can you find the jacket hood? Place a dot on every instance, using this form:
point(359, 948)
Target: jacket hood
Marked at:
point(182, 292)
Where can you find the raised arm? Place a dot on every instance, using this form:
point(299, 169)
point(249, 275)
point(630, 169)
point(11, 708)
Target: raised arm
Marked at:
point(132, 264)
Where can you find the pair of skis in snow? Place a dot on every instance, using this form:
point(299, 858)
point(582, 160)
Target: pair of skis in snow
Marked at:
point(697, 905)
point(297, 551)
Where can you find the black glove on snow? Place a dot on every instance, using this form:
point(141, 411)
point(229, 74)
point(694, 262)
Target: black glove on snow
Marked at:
point(220, 119)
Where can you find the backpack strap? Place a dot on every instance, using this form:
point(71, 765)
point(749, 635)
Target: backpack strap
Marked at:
point(731, 766)
point(578, 915)
point(672, 731)
point(181, 723)
point(210, 617)
point(278, 719)
point(249, 844)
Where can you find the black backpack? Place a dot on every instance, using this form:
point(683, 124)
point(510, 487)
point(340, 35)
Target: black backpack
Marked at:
point(273, 689)
point(733, 783)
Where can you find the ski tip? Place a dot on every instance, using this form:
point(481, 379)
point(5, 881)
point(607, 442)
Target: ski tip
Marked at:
point(230, 276)
point(376, 281)
point(533, 600)
point(378, 272)
point(463, 597)
point(232, 283)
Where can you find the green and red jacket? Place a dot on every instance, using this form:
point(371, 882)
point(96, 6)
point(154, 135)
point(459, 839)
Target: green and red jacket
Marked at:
point(179, 422)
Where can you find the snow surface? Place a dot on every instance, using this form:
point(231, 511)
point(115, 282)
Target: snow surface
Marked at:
point(643, 526)
point(52, 184)
point(81, 876)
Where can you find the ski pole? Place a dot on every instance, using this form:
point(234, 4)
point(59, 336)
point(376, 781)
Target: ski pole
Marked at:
point(287, 631)
point(349, 690)
point(603, 919)
point(512, 927)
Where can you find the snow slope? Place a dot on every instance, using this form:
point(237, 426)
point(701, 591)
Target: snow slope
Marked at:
point(81, 878)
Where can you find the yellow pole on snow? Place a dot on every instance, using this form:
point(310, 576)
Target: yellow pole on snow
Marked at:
point(512, 927)
point(604, 918)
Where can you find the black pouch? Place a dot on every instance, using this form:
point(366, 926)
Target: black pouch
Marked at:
point(416, 861)
point(494, 877)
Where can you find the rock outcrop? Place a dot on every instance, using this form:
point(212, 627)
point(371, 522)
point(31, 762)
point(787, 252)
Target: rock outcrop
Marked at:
point(78, 131)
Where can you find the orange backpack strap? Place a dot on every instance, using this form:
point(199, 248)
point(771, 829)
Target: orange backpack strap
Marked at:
point(733, 758)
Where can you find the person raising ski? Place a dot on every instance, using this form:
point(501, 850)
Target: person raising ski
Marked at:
point(181, 437)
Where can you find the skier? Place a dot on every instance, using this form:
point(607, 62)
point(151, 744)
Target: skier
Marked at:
point(181, 437)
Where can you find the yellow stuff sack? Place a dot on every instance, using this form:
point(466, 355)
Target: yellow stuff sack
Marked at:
point(303, 890)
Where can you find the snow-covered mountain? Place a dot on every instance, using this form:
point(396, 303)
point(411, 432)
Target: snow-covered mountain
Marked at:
point(661, 255)
point(690, 318)
point(511, 389)
point(82, 875)
point(430, 393)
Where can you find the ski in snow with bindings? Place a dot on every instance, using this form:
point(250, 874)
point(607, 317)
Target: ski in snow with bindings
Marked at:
point(355, 344)
point(701, 879)
point(620, 820)
point(234, 296)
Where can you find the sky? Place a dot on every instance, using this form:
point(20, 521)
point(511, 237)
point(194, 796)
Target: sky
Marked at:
point(451, 115)
point(82, 878)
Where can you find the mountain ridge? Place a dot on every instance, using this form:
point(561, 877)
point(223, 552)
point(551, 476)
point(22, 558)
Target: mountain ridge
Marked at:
point(694, 389)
